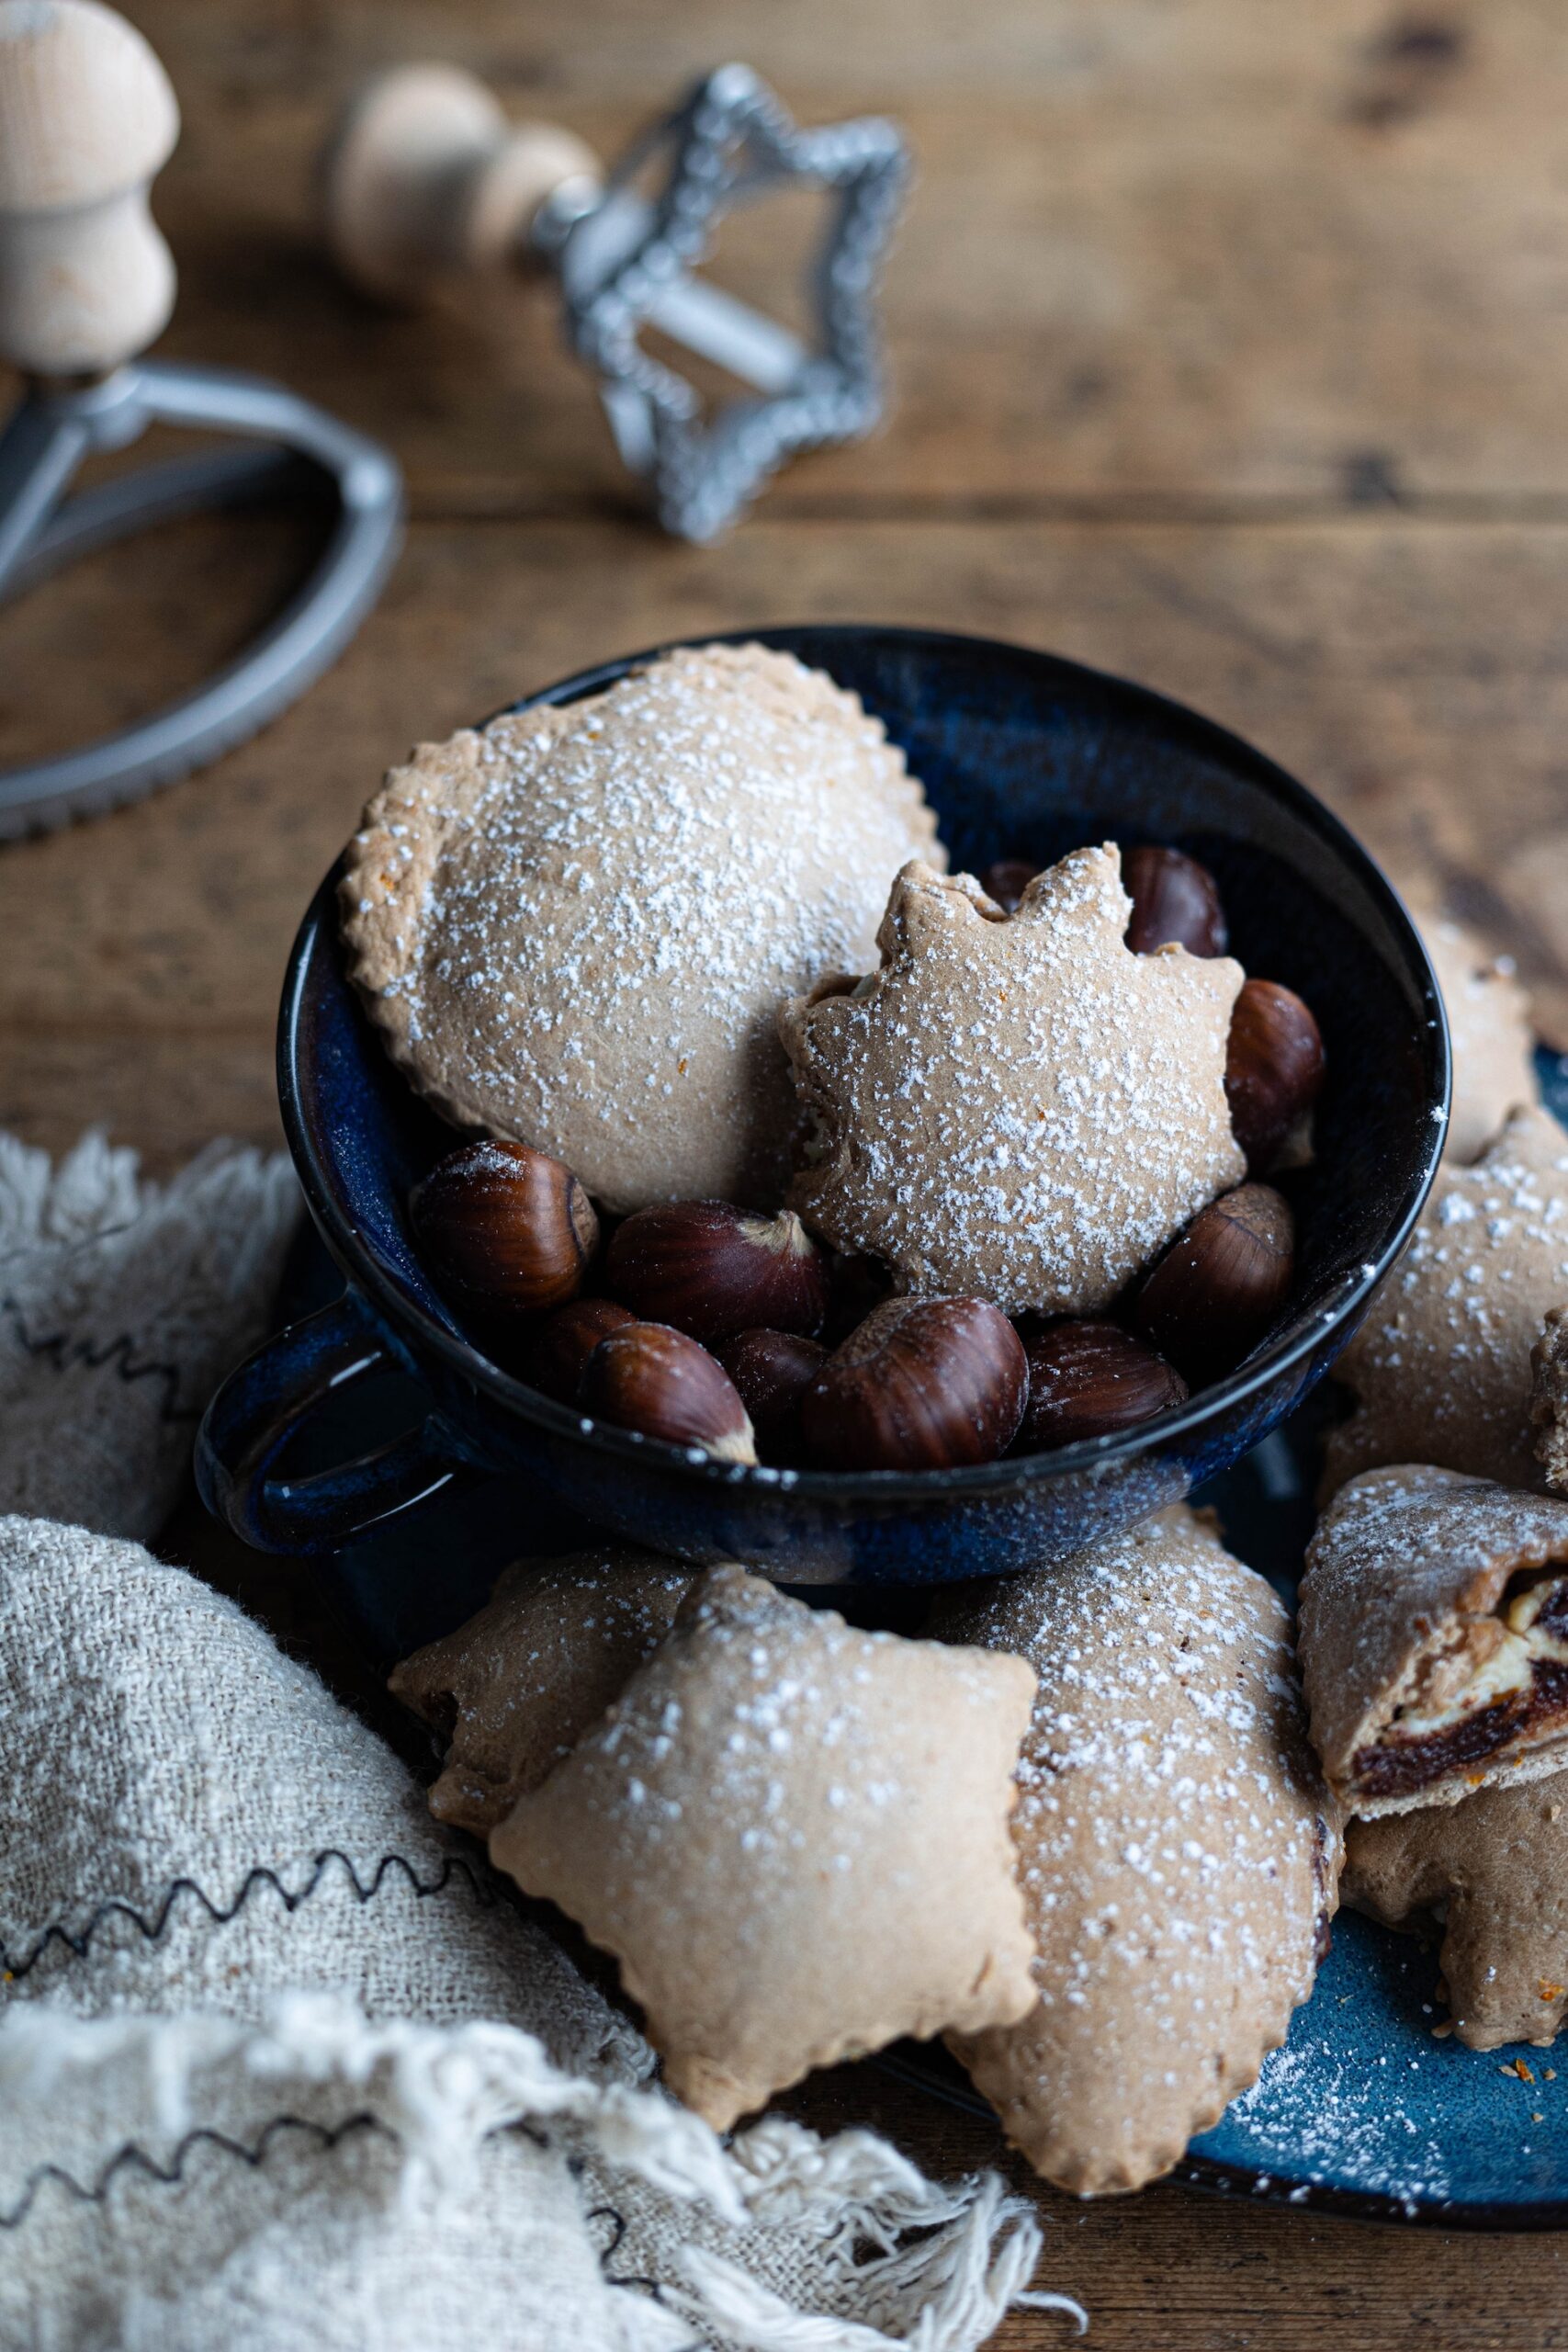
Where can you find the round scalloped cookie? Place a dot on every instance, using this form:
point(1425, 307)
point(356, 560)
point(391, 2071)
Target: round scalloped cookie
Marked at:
point(1178, 1853)
point(575, 926)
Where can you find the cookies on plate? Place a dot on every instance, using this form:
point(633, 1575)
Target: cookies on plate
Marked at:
point(1177, 1854)
point(514, 1688)
point(1496, 1868)
point(1016, 1108)
point(1490, 1034)
point(1441, 1366)
point(794, 1839)
point(1434, 1638)
point(574, 926)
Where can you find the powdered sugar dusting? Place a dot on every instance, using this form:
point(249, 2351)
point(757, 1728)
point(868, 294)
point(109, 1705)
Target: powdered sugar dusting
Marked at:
point(1019, 1110)
point(1441, 1367)
point(793, 1836)
point(1403, 1565)
point(576, 927)
point(1172, 1844)
point(515, 1687)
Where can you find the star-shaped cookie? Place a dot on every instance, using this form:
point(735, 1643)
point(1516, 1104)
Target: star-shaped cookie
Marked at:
point(794, 1837)
point(1498, 1868)
point(1016, 1108)
point(1441, 1366)
point(1177, 1852)
point(514, 1688)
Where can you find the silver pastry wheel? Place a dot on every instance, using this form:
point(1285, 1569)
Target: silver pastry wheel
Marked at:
point(86, 116)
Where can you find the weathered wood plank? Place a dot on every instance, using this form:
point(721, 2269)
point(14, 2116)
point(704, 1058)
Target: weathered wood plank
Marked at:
point(1411, 671)
point(1158, 256)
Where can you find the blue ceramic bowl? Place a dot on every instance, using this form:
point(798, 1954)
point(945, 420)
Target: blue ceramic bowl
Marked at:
point(1023, 755)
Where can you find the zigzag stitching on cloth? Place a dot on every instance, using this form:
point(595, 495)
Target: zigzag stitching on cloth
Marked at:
point(13, 1972)
point(62, 1352)
point(649, 2287)
point(132, 2158)
point(327, 2137)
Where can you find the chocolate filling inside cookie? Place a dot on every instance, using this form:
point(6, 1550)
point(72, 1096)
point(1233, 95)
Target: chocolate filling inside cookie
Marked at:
point(1485, 1684)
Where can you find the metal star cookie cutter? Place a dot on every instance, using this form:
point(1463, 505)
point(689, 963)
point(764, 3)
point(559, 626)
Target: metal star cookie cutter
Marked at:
point(625, 261)
point(426, 182)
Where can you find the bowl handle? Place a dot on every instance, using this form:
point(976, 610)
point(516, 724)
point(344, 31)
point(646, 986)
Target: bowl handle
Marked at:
point(271, 1396)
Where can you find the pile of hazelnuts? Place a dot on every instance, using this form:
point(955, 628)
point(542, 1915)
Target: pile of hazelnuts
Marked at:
point(742, 1337)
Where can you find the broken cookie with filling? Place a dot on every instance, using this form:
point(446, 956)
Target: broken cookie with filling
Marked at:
point(794, 1839)
point(1496, 1870)
point(1434, 1638)
point(1177, 1852)
point(514, 1690)
point(1016, 1107)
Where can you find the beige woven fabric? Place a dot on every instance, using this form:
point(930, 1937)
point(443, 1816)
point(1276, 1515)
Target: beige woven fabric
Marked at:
point(280, 2061)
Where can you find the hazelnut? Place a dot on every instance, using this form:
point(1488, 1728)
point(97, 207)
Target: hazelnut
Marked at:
point(771, 1371)
point(923, 1383)
point(712, 1270)
point(1220, 1285)
point(1008, 879)
point(1087, 1379)
point(1273, 1070)
point(1173, 899)
point(564, 1343)
point(510, 1230)
point(646, 1376)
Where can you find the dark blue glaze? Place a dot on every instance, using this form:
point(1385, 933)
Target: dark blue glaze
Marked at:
point(1022, 755)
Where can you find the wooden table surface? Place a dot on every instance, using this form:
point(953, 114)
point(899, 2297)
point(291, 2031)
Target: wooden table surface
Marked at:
point(1231, 340)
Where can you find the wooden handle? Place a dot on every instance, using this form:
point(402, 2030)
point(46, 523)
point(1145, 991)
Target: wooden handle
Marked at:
point(425, 180)
point(86, 118)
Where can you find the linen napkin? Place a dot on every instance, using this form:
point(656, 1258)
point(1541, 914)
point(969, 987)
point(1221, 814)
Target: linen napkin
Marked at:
point(282, 2063)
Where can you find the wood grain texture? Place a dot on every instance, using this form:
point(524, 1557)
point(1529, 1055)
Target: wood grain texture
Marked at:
point(1410, 670)
point(1189, 253)
point(1230, 339)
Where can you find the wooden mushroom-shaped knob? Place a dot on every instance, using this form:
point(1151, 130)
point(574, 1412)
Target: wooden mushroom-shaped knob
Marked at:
point(86, 118)
point(425, 180)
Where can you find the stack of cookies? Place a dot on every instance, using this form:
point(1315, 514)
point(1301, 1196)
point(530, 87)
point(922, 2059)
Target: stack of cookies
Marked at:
point(794, 1149)
point(1434, 1612)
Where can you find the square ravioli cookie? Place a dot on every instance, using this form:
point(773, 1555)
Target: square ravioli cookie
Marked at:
point(1177, 1852)
point(514, 1690)
point(1434, 1638)
point(794, 1839)
point(1496, 1870)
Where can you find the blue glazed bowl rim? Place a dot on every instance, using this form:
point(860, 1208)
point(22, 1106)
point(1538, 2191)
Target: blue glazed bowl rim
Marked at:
point(880, 1488)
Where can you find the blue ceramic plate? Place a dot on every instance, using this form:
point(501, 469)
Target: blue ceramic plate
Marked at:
point(1361, 2113)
